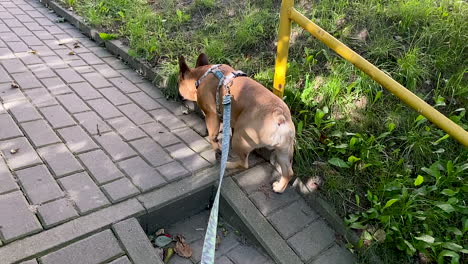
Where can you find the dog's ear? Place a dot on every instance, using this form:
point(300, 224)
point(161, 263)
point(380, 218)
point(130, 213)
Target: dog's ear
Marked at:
point(183, 67)
point(202, 60)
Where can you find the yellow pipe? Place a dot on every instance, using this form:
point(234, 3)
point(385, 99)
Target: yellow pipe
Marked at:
point(284, 33)
point(386, 81)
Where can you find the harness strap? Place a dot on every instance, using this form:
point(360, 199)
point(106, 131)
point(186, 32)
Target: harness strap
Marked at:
point(223, 81)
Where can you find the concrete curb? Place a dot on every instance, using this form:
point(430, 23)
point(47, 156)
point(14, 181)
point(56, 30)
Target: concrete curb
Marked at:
point(255, 222)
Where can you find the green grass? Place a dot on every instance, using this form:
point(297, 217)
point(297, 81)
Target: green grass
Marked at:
point(363, 137)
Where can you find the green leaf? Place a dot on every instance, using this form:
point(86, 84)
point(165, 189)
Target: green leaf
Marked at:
point(448, 253)
point(391, 127)
point(446, 207)
point(300, 125)
point(465, 224)
point(105, 36)
point(357, 225)
point(448, 192)
point(377, 96)
point(389, 203)
point(452, 246)
point(411, 249)
point(419, 180)
point(426, 238)
point(338, 162)
point(455, 231)
point(353, 159)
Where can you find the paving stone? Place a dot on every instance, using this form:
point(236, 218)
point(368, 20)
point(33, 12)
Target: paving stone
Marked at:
point(268, 203)
point(32, 40)
point(84, 192)
point(115, 63)
point(12, 22)
point(96, 80)
point(175, 107)
point(115, 146)
point(10, 95)
point(160, 134)
point(209, 155)
point(30, 59)
point(20, 221)
point(55, 62)
point(255, 178)
point(173, 171)
point(33, 26)
point(73, 103)
point(40, 97)
point(151, 90)
point(4, 77)
point(24, 18)
point(132, 75)
point(22, 110)
point(151, 151)
point(69, 75)
point(124, 85)
point(26, 80)
point(56, 212)
point(191, 160)
point(76, 139)
point(70, 231)
point(9, 128)
point(136, 114)
point(44, 21)
point(120, 190)
point(17, 46)
point(25, 155)
point(56, 86)
point(95, 249)
point(246, 255)
point(192, 139)
point(312, 240)
point(41, 71)
point(40, 133)
point(196, 123)
point(44, 51)
point(126, 128)
point(144, 101)
point(335, 255)
point(57, 117)
point(13, 65)
point(102, 169)
point(90, 58)
point(105, 109)
point(38, 184)
point(136, 243)
point(106, 71)
point(59, 159)
point(85, 91)
point(291, 219)
point(143, 176)
point(100, 52)
point(121, 260)
point(115, 96)
point(92, 123)
point(224, 260)
point(167, 119)
point(7, 183)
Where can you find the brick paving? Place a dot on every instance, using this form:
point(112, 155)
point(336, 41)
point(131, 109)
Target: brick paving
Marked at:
point(84, 136)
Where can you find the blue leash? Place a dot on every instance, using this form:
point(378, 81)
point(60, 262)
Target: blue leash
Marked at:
point(208, 253)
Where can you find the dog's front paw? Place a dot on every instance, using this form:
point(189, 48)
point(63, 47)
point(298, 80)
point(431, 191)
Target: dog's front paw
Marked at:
point(218, 155)
point(278, 187)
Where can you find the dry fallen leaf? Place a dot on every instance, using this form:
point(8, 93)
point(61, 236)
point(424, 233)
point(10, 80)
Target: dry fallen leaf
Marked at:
point(160, 232)
point(14, 84)
point(218, 242)
point(182, 249)
point(76, 45)
point(72, 53)
point(14, 151)
point(32, 51)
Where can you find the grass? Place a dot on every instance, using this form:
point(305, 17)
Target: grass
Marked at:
point(367, 146)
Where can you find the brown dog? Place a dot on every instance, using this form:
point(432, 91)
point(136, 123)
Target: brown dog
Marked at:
point(259, 118)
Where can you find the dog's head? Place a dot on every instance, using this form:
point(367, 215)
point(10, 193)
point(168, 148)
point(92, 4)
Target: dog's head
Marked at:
point(187, 89)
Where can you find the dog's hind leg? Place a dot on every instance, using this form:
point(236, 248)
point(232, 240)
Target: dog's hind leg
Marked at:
point(283, 158)
point(241, 149)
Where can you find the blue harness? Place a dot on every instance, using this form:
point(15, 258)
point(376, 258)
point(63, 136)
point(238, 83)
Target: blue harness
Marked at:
point(225, 81)
point(209, 244)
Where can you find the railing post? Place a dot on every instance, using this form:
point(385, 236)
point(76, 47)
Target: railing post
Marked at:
point(283, 47)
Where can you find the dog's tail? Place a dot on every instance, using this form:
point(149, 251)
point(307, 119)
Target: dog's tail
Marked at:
point(284, 132)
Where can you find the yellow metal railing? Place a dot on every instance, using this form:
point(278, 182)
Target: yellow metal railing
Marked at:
point(289, 14)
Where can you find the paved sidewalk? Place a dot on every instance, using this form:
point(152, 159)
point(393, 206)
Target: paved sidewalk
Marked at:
point(82, 136)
